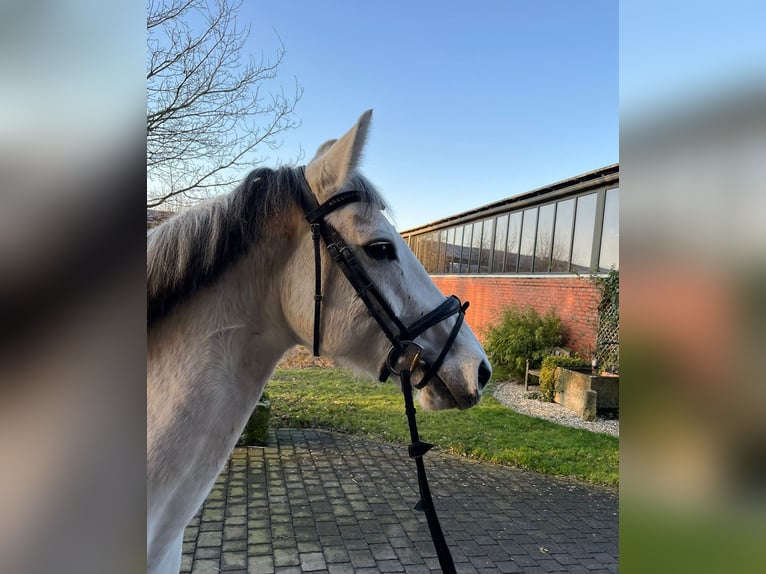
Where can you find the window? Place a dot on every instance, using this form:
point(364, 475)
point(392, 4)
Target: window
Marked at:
point(585, 222)
point(465, 252)
point(544, 238)
point(575, 234)
point(501, 234)
point(475, 247)
point(440, 265)
point(486, 245)
point(562, 236)
point(426, 252)
point(527, 250)
point(457, 249)
point(449, 251)
point(610, 234)
point(514, 237)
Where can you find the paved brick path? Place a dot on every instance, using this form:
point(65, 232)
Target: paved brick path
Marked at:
point(316, 501)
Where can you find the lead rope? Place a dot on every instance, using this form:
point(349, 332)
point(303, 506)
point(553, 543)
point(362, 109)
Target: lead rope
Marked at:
point(315, 234)
point(416, 450)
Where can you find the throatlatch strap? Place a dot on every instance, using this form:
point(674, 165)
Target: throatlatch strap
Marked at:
point(417, 449)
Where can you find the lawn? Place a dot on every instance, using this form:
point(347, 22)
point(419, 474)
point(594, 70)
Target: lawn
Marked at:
point(336, 399)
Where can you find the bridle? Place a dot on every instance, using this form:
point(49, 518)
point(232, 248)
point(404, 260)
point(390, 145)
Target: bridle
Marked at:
point(401, 336)
point(405, 354)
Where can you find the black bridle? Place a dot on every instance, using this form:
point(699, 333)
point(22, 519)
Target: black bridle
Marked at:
point(405, 354)
point(402, 337)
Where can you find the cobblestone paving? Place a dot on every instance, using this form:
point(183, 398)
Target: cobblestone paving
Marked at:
point(321, 502)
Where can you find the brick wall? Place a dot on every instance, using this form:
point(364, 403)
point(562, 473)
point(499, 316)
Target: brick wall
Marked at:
point(574, 299)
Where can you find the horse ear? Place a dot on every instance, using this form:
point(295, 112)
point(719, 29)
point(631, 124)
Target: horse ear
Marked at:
point(323, 149)
point(336, 159)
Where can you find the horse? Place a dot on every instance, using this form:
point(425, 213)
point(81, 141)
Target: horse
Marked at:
point(230, 289)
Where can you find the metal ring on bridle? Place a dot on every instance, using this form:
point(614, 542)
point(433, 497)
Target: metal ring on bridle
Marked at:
point(396, 355)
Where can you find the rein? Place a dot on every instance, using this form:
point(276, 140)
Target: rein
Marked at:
point(404, 350)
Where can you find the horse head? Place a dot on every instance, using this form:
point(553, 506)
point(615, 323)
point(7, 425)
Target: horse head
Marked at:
point(453, 368)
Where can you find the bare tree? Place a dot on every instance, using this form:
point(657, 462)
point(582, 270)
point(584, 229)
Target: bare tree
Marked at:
point(208, 110)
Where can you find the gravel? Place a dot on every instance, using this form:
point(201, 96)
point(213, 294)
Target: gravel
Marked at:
point(513, 395)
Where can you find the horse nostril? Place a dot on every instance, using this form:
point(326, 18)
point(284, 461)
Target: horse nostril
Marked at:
point(485, 372)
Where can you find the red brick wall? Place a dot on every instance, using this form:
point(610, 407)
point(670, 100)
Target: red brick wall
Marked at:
point(574, 299)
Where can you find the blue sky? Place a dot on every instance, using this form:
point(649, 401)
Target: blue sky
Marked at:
point(473, 101)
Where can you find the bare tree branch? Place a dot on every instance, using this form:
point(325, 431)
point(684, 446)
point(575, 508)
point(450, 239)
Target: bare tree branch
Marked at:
point(207, 112)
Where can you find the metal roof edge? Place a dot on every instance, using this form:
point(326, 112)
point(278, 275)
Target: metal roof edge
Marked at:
point(590, 179)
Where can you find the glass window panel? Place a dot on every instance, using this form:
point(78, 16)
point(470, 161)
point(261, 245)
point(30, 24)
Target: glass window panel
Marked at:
point(457, 250)
point(501, 234)
point(527, 250)
point(465, 252)
point(433, 248)
point(514, 236)
point(585, 221)
point(425, 250)
point(544, 242)
point(486, 245)
point(434, 251)
point(425, 241)
point(434, 243)
point(562, 236)
point(417, 248)
point(610, 234)
point(449, 250)
point(440, 267)
point(475, 247)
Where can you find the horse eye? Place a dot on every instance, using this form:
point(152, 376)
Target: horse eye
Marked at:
point(380, 250)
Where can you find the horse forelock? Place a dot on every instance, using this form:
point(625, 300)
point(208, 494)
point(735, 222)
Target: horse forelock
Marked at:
point(192, 249)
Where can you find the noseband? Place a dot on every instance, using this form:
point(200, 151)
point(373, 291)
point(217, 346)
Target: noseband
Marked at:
point(402, 337)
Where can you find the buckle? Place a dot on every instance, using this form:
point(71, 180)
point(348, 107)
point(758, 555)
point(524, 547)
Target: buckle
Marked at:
point(407, 356)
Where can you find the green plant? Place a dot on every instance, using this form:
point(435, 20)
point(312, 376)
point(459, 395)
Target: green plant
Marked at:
point(610, 290)
point(607, 346)
point(548, 373)
point(521, 334)
point(256, 430)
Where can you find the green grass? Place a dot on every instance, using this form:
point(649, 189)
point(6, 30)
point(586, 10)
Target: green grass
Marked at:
point(336, 399)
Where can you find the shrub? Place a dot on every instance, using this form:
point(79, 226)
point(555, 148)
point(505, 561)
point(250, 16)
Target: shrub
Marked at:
point(548, 373)
point(521, 334)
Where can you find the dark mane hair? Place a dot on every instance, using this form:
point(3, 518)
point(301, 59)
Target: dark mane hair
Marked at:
point(190, 250)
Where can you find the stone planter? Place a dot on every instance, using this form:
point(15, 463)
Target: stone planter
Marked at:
point(585, 393)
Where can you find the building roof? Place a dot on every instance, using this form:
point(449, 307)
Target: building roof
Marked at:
point(573, 185)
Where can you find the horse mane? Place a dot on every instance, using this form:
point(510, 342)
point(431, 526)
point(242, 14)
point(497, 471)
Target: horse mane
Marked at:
point(192, 249)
